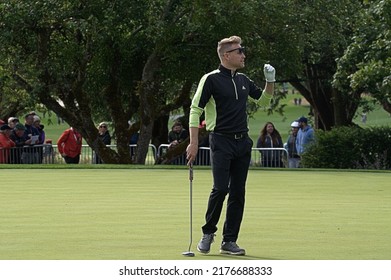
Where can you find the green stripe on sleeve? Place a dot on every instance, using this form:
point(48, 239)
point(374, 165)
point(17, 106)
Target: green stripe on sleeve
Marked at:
point(265, 99)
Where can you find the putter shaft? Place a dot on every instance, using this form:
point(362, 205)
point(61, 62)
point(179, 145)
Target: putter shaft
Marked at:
point(189, 253)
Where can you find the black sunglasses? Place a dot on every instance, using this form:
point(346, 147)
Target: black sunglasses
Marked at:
point(103, 126)
point(240, 50)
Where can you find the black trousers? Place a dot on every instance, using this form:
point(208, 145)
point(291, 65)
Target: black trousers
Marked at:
point(74, 160)
point(230, 160)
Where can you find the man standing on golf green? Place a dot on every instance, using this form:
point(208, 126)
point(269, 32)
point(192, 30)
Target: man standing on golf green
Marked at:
point(222, 94)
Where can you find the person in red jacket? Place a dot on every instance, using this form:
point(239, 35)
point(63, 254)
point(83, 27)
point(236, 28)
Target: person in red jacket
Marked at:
point(69, 145)
point(5, 143)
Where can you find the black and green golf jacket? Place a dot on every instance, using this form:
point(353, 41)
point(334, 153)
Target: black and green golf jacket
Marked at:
point(223, 97)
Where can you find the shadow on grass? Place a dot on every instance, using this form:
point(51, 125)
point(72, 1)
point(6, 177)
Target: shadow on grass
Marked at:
point(232, 257)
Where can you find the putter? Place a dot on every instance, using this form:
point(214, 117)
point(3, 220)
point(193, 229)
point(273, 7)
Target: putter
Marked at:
point(189, 253)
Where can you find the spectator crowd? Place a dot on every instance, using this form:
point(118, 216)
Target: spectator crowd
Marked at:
point(22, 142)
point(25, 139)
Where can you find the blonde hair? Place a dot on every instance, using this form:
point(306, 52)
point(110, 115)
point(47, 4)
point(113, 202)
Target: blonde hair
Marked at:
point(226, 43)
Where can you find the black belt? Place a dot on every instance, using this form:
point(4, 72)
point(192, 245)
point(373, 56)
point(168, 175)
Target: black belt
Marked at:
point(235, 136)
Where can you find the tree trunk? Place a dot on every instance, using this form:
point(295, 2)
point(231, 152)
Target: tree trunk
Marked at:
point(386, 106)
point(160, 131)
point(329, 107)
point(148, 92)
point(113, 100)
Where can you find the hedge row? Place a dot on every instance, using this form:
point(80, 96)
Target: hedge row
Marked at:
point(350, 148)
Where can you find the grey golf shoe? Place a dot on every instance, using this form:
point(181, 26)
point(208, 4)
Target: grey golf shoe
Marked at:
point(205, 242)
point(231, 248)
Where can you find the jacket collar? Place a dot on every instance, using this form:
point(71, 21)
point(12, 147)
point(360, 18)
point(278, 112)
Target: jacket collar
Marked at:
point(226, 71)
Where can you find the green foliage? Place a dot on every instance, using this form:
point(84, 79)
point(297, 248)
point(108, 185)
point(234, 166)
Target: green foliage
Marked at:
point(351, 148)
point(93, 55)
point(366, 65)
point(115, 39)
point(316, 33)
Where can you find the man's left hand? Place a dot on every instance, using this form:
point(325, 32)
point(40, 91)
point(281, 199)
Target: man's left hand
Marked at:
point(270, 73)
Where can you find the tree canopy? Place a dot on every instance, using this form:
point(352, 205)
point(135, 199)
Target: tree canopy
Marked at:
point(140, 60)
point(365, 67)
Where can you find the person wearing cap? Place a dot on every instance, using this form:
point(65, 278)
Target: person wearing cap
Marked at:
point(30, 130)
point(31, 154)
point(293, 157)
point(41, 138)
point(305, 135)
point(20, 141)
point(37, 124)
point(12, 122)
point(5, 143)
point(105, 137)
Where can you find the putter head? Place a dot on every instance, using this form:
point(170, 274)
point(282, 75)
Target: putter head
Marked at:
point(188, 254)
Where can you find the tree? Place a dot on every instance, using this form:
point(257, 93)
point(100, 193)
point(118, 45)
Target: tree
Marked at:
point(140, 60)
point(365, 67)
point(122, 60)
point(183, 44)
point(64, 55)
point(315, 33)
point(12, 99)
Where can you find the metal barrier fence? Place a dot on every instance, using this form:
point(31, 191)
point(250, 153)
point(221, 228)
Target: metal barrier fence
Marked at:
point(48, 154)
point(27, 154)
point(151, 155)
point(203, 156)
point(262, 157)
point(269, 157)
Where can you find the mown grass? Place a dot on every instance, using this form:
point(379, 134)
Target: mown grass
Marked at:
point(141, 214)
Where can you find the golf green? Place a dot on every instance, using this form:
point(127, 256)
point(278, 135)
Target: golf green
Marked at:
point(141, 214)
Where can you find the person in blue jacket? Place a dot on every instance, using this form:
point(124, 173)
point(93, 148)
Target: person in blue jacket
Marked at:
point(305, 136)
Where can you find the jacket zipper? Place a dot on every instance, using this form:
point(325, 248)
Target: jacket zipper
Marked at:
point(236, 91)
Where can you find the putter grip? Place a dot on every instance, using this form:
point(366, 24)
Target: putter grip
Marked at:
point(191, 173)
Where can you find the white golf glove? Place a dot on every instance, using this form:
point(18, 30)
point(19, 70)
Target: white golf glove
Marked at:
point(270, 73)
